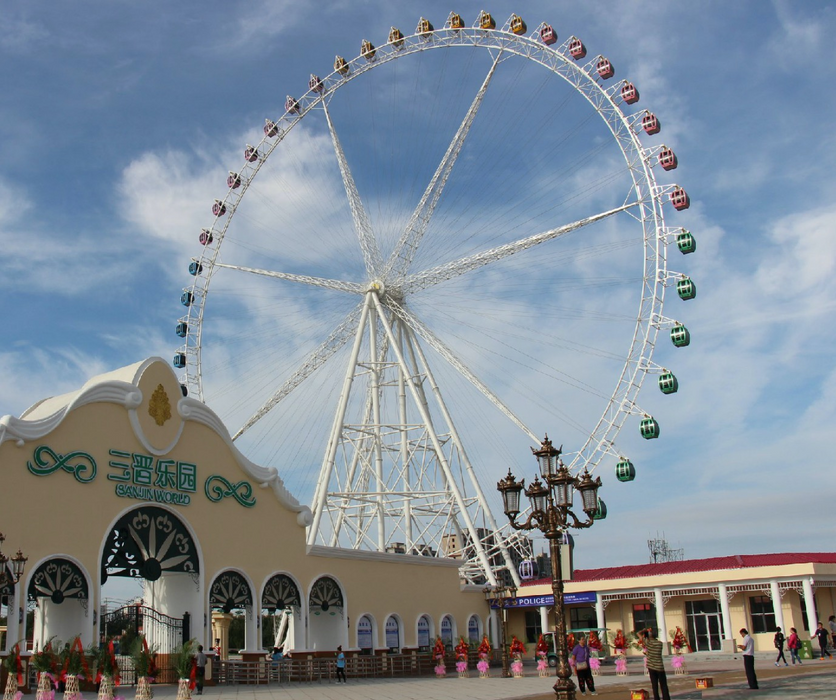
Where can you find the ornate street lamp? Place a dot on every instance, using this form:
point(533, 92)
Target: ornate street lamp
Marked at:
point(504, 597)
point(18, 565)
point(551, 501)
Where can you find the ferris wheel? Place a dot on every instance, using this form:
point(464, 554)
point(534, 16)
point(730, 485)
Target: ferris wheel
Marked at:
point(449, 244)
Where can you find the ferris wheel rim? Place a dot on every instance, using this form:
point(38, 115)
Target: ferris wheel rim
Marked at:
point(603, 99)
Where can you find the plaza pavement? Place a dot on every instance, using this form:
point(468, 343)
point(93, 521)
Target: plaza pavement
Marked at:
point(814, 680)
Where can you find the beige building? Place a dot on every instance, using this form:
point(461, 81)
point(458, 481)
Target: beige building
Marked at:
point(127, 477)
point(710, 600)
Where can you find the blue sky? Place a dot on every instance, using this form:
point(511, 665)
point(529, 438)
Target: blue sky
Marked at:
point(119, 122)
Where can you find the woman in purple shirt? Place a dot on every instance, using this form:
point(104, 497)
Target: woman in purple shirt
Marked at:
point(581, 655)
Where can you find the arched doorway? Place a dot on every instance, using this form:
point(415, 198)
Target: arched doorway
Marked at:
point(231, 594)
point(326, 608)
point(366, 635)
point(425, 632)
point(474, 629)
point(448, 631)
point(283, 605)
point(60, 594)
point(393, 634)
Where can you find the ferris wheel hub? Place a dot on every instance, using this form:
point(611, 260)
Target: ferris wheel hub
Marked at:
point(378, 287)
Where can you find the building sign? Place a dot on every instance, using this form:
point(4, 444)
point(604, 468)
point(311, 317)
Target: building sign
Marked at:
point(142, 477)
point(536, 601)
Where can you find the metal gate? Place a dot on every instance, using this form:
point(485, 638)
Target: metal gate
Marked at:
point(163, 634)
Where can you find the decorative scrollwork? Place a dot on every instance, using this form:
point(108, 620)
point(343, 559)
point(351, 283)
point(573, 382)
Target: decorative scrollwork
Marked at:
point(241, 491)
point(326, 594)
point(80, 464)
point(229, 591)
point(280, 593)
point(58, 579)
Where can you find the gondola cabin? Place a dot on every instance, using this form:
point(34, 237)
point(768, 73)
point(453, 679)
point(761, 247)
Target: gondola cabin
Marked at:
point(250, 154)
point(182, 329)
point(651, 124)
point(291, 105)
point(341, 66)
point(205, 237)
point(528, 570)
point(271, 129)
point(218, 208)
point(179, 360)
point(686, 288)
point(668, 383)
point(624, 470)
point(518, 26)
point(601, 511)
point(395, 37)
point(576, 49)
point(667, 159)
point(233, 180)
point(455, 21)
point(315, 83)
point(686, 242)
point(424, 28)
point(195, 268)
point(605, 68)
point(649, 428)
point(680, 336)
point(629, 93)
point(367, 50)
point(548, 35)
point(486, 21)
point(187, 298)
point(680, 199)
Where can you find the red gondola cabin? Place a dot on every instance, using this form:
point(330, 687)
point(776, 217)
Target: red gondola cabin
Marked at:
point(548, 35)
point(605, 69)
point(680, 199)
point(651, 124)
point(667, 159)
point(629, 93)
point(576, 49)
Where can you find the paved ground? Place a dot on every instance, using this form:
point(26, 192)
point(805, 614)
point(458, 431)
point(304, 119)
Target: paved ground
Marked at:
point(813, 681)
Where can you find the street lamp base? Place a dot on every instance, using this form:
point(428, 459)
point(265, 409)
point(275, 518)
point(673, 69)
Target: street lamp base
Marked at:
point(564, 689)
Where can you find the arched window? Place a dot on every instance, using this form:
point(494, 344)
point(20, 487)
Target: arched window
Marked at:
point(424, 632)
point(365, 636)
point(393, 634)
point(474, 628)
point(230, 591)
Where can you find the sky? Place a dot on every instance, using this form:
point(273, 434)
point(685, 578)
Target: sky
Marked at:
point(120, 121)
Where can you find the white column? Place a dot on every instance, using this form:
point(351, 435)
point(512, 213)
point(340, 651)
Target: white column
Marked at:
point(724, 611)
point(776, 606)
point(12, 635)
point(494, 625)
point(810, 604)
point(660, 616)
point(544, 619)
point(599, 613)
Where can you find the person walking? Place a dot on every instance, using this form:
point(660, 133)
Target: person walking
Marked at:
point(748, 649)
point(200, 663)
point(779, 645)
point(581, 656)
point(822, 635)
point(655, 666)
point(340, 665)
point(794, 644)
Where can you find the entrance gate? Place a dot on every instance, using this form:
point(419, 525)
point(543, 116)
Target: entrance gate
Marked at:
point(163, 634)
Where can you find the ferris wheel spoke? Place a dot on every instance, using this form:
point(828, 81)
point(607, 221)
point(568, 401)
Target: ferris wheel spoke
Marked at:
point(410, 239)
point(339, 336)
point(362, 225)
point(430, 338)
point(456, 268)
point(336, 285)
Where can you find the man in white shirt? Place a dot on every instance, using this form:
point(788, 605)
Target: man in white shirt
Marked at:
point(748, 649)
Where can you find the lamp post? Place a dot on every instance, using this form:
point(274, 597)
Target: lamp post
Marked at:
point(551, 513)
point(504, 597)
point(18, 564)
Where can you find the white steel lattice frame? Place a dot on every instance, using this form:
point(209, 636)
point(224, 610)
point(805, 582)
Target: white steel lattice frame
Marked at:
point(383, 309)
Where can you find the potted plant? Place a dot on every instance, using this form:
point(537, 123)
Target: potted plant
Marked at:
point(145, 666)
point(45, 662)
point(184, 665)
point(73, 667)
point(14, 670)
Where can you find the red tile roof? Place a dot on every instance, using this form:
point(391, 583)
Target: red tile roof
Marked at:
point(737, 561)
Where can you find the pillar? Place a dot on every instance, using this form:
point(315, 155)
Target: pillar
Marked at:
point(810, 604)
point(544, 619)
point(728, 634)
point(776, 606)
point(220, 630)
point(659, 602)
point(599, 614)
point(12, 626)
point(494, 627)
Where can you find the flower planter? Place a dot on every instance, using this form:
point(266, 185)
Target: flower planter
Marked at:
point(11, 687)
point(143, 689)
point(71, 689)
point(184, 691)
point(106, 688)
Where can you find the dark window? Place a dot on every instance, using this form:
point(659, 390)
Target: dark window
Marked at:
point(762, 613)
point(533, 628)
point(644, 616)
point(582, 618)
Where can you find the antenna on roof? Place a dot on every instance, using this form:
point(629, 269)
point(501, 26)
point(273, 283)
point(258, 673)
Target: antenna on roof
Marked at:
point(660, 550)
